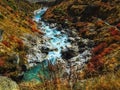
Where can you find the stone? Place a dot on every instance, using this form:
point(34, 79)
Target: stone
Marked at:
point(69, 54)
point(1, 33)
point(59, 27)
point(8, 84)
point(14, 59)
point(89, 11)
point(52, 25)
point(105, 1)
point(81, 44)
point(45, 50)
point(71, 39)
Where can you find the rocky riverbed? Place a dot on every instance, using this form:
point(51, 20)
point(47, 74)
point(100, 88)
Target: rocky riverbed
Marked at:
point(72, 45)
point(56, 45)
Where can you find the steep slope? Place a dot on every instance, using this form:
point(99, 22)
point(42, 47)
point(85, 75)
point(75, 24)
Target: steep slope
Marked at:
point(15, 23)
point(98, 21)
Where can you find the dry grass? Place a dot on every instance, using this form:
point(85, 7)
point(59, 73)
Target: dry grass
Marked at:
point(15, 21)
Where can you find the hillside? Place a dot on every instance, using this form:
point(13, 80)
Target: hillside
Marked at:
point(95, 20)
point(15, 23)
point(72, 45)
point(98, 21)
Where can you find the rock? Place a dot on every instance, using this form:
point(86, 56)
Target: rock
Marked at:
point(69, 46)
point(8, 84)
point(1, 33)
point(77, 38)
point(45, 50)
point(105, 1)
point(76, 10)
point(91, 44)
point(62, 31)
point(59, 27)
point(43, 1)
point(51, 20)
point(81, 44)
point(1, 16)
point(74, 33)
point(69, 54)
point(52, 25)
point(89, 11)
point(81, 50)
point(71, 39)
point(14, 59)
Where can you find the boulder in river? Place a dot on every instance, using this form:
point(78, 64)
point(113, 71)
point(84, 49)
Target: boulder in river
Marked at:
point(68, 54)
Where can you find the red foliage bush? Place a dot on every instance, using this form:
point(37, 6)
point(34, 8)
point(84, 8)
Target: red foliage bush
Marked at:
point(83, 31)
point(90, 67)
point(114, 45)
point(118, 25)
point(31, 21)
point(114, 31)
point(95, 63)
point(12, 38)
point(99, 48)
point(95, 58)
point(36, 30)
point(7, 44)
point(1, 62)
point(16, 39)
point(19, 41)
point(116, 38)
point(106, 51)
point(100, 23)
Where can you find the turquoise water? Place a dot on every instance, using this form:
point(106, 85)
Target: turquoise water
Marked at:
point(37, 71)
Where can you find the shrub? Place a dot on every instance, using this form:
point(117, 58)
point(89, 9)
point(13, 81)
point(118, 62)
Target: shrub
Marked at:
point(113, 31)
point(1, 62)
point(6, 43)
point(59, 11)
point(99, 48)
point(1, 16)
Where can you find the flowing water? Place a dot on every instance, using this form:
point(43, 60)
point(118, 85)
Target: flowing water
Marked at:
point(55, 41)
point(49, 49)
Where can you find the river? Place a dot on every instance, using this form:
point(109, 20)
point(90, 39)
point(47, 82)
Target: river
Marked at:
point(49, 48)
point(55, 41)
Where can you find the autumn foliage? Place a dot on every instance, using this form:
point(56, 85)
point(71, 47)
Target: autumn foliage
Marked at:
point(31, 21)
point(99, 48)
point(6, 43)
point(113, 31)
point(1, 61)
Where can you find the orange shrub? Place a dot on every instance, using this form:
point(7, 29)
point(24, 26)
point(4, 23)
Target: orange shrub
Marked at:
point(1, 62)
point(118, 25)
point(113, 31)
point(31, 21)
point(106, 51)
point(99, 48)
point(36, 30)
point(12, 38)
point(6, 43)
